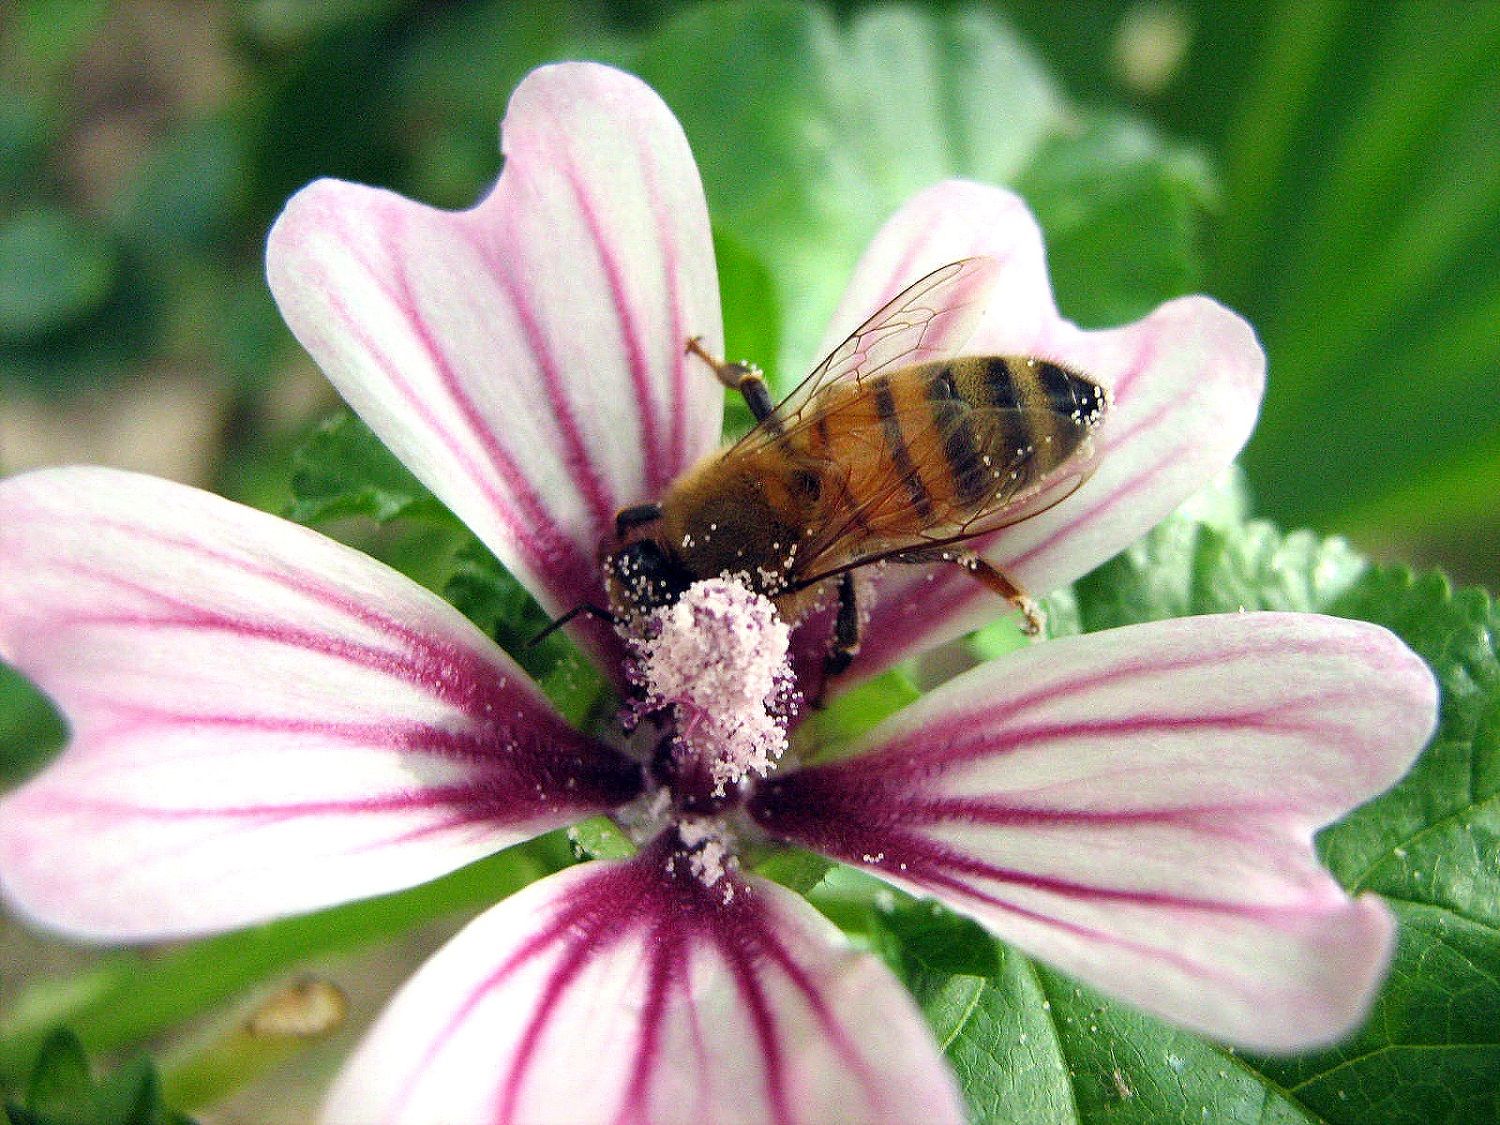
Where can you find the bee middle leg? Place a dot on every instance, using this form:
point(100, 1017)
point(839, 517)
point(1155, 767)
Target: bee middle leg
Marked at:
point(1033, 621)
point(743, 377)
point(846, 629)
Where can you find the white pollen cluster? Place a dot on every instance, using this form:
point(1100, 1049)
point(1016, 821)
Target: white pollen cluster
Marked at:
point(709, 852)
point(718, 657)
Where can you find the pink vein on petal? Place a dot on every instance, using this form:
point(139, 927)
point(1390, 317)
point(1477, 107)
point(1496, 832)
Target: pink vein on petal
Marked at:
point(677, 405)
point(306, 584)
point(640, 370)
point(424, 674)
point(667, 968)
point(498, 455)
point(543, 556)
point(575, 959)
point(534, 947)
point(575, 450)
point(590, 927)
point(1145, 356)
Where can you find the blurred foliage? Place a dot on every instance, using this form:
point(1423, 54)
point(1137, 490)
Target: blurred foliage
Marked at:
point(62, 1091)
point(1358, 143)
point(144, 150)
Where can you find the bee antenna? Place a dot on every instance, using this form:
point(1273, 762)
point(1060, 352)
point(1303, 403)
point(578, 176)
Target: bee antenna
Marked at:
point(558, 622)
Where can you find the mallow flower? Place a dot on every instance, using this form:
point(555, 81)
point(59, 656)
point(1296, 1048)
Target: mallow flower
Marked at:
point(265, 721)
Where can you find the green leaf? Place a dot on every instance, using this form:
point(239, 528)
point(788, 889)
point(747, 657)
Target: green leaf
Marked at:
point(30, 727)
point(54, 270)
point(50, 35)
point(1433, 839)
point(599, 838)
point(288, 23)
point(795, 868)
point(1094, 192)
point(1201, 560)
point(61, 1075)
point(491, 597)
point(344, 471)
point(1362, 208)
point(186, 195)
point(1432, 1049)
point(134, 996)
point(747, 294)
point(452, 82)
point(859, 710)
point(843, 122)
point(925, 938)
point(25, 131)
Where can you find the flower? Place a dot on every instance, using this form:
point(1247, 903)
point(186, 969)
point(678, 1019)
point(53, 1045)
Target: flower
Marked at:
point(266, 722)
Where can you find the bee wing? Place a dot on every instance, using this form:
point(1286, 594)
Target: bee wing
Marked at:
point(926, 320)
point(1014, 485)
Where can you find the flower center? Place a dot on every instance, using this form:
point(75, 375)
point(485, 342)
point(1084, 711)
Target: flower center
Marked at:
point(715, 662)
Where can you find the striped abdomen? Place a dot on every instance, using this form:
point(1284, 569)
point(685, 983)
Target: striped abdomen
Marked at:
point(934, 445)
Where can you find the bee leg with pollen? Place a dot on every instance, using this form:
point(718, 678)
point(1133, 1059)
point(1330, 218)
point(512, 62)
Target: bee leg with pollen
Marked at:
point(743, 377)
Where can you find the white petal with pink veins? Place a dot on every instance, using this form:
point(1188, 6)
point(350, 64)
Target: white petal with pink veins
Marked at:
point(1137, 807)
point(526, 358)
point(1186, 383)
point(950, 221)
point(263, 721)
point(634, 992)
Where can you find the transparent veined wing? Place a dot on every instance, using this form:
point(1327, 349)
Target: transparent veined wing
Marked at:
point(929, 319)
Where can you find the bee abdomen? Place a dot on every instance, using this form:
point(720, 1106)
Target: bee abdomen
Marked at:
point(901, 454)
point(1035, 413)
point(961, 449)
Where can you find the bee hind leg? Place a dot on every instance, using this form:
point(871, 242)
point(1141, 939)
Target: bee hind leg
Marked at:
point(1033, 621)
point(743, 377)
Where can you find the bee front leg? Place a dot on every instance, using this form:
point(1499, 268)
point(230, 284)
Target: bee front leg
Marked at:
point(743, 377)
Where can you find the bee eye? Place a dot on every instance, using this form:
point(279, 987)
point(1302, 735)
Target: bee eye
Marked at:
point(650, 575)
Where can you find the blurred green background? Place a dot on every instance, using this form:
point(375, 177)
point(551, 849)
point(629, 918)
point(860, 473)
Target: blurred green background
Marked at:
point(1334, 168)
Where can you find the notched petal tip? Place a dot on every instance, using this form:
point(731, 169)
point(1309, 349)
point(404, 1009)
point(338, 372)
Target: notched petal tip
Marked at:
point(1187, 382)
point(1347, 960)
point(1137, 807)
point(947, 222)
point(682, 1000)
point(263, 721)
point(525, 358)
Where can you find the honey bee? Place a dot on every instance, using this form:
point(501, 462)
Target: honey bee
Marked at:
point(886, 452)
